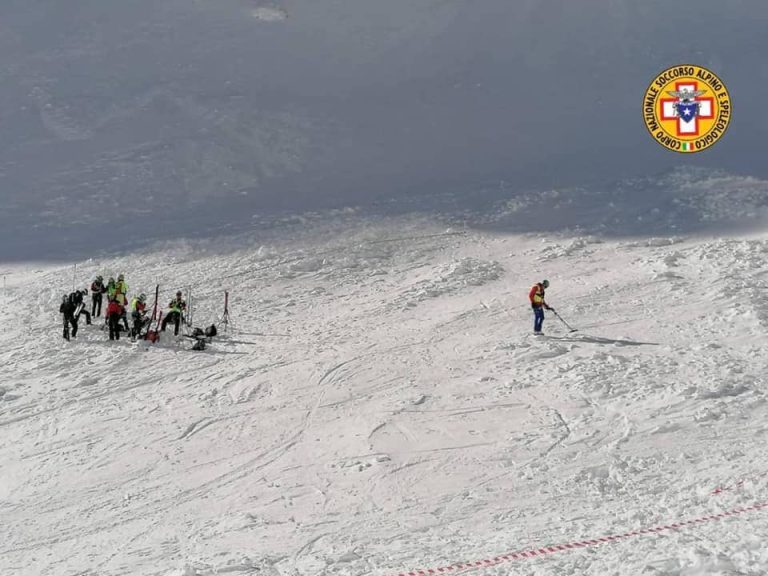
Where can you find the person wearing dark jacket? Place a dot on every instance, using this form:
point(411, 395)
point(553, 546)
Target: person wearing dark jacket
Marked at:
point(98, 289)
point(67, 308)
point(77, 299)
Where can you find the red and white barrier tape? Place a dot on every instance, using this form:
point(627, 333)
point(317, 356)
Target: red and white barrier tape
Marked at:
point(721, 489)
point(548, 550)
point(753, 477)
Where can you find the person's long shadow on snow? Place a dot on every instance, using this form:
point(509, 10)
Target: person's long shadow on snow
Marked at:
point(598, 340)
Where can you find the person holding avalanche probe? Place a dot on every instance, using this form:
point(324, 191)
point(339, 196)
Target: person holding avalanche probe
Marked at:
point(536, 296)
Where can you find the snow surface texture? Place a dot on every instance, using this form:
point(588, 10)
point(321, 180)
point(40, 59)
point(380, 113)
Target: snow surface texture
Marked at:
point(379, 405)
point(269, 14)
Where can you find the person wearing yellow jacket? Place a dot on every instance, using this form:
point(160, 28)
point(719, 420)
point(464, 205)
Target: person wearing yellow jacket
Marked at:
point(118, 291)
point(121, 290)
point(111, 288)
point(177, 307)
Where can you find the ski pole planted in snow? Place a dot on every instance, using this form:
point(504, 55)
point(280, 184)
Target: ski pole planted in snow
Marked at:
point(187, 319)
point(571, 328)
point(225, 316)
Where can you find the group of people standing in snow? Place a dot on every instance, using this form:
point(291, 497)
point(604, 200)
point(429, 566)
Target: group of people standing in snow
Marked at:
point(73, 306)
point(118, 306)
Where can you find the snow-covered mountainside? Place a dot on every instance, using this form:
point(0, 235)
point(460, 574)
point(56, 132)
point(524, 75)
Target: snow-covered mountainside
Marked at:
point(122, 120)
point(379, 405)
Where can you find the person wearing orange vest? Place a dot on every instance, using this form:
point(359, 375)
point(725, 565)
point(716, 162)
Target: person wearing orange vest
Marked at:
point(536, 296)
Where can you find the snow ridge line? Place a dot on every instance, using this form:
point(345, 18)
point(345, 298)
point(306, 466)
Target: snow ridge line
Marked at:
point(554, 549)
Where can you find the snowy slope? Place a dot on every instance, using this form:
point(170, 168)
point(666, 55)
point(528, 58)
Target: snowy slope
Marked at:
point(381, 406)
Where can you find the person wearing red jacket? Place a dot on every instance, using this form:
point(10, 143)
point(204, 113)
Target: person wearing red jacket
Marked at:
point(536, 296)
point(115, 312)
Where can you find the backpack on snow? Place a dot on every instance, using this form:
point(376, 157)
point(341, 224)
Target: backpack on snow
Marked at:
point(202, 336)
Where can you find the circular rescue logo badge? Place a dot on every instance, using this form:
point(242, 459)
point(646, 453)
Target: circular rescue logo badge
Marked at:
point(687, 108)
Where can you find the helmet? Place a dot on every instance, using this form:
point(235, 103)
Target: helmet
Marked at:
point(142, 297)
point(545, 283)
point(120, 277)
point(112, 279)
point(99, 278)
point(84, 291)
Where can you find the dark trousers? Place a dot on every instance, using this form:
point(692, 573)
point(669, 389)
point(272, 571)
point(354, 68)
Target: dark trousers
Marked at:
point(96, 304)
point(538, 318)
point(174, 317)
point(87, 315)
point(114, 326)
point(69, 319)
point(139, 322)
